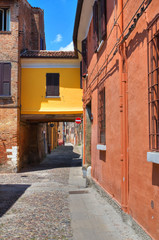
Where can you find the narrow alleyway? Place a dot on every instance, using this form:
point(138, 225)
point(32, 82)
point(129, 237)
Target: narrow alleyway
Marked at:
point(50, 201)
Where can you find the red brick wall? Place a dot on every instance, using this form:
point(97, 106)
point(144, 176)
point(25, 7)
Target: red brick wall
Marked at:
point(37, 28)
point(31, 26)
point(32, 147)
point(143, 186)
point(8, 138)
point(9, 106)
point(21, 36)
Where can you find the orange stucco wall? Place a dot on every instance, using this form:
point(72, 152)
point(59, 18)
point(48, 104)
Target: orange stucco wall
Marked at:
point(107, 167)
point(142, 188)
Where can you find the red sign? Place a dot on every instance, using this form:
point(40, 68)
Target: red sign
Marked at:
point(78, 120)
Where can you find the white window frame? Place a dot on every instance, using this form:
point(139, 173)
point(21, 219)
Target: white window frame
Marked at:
point(7, 19)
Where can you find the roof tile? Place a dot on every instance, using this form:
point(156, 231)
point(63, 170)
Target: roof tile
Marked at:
point(48, 54)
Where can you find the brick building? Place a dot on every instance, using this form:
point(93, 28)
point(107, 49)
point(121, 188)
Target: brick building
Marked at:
point(21, 28)
point(119, 41)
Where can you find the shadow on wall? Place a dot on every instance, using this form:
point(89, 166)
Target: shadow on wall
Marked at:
point(136, 41)
point(139, 38)
point(9, 194)
point(110, 72)
point(113, 69)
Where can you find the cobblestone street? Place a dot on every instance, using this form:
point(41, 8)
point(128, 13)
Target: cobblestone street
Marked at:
point(50, 201)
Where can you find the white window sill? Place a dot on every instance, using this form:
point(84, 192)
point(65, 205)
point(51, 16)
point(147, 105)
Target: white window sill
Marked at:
point(153, 157)
point(52, 97)
point(101, 147)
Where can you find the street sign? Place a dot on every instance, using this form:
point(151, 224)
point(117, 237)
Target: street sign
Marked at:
point(78, 120)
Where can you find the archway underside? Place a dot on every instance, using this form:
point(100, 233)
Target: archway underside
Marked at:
point(42, 118)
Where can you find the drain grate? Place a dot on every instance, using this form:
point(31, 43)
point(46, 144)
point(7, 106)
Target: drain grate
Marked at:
point(24, 176)
point(78, 192)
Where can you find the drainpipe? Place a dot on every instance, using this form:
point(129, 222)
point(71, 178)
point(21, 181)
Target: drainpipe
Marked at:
point(124, 114)
point(84, 134)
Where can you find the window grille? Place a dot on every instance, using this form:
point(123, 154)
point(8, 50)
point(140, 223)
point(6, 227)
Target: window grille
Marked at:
point(153, 85)
point(101, 116)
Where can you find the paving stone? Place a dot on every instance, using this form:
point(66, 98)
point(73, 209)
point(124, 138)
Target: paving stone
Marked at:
point(50, 201)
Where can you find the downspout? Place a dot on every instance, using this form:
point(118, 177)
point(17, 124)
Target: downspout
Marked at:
point(124, 114)
point(84, 123)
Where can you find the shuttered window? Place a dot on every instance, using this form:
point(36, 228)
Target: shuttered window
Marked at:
point(52, 84)
point(99, 22)
point(84, 56)
point(5, 79)
point(103, 18)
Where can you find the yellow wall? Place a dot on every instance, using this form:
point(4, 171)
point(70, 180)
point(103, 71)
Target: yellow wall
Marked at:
point(33, 91)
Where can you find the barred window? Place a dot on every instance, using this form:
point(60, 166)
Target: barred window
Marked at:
point(153, 86)
point(101, 116)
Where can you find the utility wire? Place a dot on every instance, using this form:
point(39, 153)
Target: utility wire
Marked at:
point(138, 15)
point(112, 29)
point(117, 20)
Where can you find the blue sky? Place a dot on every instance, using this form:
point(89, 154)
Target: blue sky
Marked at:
point(59, 17)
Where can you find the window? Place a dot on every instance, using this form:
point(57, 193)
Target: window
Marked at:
point(5, 79)
point(52, 84)
point(99, 22)
point(81, 85)
point(153, 88)
point(101, 116)
point(84, 57)
point(4, 19)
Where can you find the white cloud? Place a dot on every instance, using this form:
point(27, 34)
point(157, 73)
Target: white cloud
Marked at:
point(69, 47)
point(57, 39)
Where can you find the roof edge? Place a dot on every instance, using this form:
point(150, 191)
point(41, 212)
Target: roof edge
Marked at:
point(35, 8)
point(48, 54)
point(77, 21)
